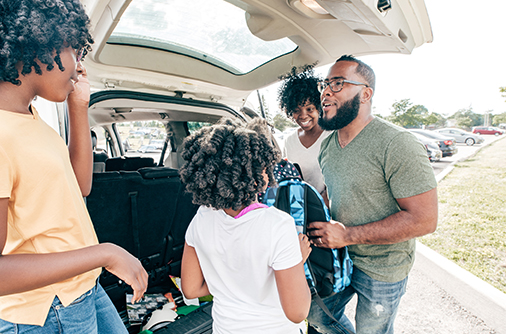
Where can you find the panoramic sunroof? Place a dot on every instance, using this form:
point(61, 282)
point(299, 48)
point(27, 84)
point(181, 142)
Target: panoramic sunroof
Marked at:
point(213, 31)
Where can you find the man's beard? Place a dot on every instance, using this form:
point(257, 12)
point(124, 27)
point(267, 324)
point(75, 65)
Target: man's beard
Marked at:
point(344, 115)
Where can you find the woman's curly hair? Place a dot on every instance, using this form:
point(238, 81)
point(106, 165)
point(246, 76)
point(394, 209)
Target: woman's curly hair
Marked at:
point(298, 87)
point(39, 29)
point(224, 164)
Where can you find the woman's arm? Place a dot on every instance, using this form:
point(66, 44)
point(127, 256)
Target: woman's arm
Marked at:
point(193, 283)
point(80, 150)
point(25, 272)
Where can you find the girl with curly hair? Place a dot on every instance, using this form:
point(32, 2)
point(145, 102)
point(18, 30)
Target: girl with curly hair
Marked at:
point(299, 98)
point(50, 256)
point(245, 254)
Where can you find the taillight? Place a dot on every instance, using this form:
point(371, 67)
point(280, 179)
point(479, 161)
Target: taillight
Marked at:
point(448, 142)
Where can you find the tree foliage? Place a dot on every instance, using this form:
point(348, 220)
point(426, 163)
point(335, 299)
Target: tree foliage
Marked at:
point(499, 119)
point(280, 122)
point(502, 90)
point(467, 118)
point(407, 115)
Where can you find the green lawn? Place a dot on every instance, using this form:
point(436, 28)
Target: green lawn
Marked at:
point(472, 215)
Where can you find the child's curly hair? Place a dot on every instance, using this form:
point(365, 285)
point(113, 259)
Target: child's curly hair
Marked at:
point(298, 87)
point(224, 164)
point(39, 29)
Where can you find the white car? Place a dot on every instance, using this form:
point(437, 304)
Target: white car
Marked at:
point(181, 64)
point(462, 136)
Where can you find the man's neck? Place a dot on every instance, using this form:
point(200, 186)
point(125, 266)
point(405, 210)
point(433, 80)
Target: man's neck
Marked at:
point(349, 132)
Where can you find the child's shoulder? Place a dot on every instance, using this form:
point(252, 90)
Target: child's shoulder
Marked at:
point(275, 216)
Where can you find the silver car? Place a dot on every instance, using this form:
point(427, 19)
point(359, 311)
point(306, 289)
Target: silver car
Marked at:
point(462, 136)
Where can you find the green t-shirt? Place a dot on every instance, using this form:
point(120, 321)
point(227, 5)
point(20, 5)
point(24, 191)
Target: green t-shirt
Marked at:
point(382, 163)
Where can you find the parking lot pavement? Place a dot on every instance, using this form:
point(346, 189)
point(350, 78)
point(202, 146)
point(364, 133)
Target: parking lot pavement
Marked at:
point(440, 296)
point(464, 152)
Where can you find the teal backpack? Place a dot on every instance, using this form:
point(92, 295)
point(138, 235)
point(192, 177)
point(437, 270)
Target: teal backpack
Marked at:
point(327, 270)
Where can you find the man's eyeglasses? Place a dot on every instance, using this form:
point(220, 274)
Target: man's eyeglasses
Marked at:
point(336, 85)
point(79, 55)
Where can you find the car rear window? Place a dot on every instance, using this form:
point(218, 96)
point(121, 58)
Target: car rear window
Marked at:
point(211, 30)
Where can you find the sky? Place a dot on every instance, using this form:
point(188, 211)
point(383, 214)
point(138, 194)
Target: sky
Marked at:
point(462, 68)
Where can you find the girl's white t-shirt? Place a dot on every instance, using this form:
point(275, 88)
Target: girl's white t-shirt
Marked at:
point(238, 258)
point(306, 158)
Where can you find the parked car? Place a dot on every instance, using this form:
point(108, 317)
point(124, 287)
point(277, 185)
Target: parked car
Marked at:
point(432, 146)
point(446, 144)
point(487, 130)
point(186, 64)
point(462, 136)
point(149, 149)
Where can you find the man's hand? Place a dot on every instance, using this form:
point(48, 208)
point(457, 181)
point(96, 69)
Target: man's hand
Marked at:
point(331, 234)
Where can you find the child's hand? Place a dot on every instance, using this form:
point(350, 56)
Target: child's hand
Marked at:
point(128, 268)
point(79, 99)
point(305, 246)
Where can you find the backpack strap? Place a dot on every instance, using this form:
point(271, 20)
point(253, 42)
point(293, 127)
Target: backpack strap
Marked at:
point(316, 297)
point(314, 293)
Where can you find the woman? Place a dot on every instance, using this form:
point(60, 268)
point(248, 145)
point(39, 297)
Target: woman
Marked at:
point(299, 98)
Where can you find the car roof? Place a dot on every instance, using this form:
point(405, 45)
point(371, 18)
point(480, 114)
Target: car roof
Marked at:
point(430, 134)
point(189, 48)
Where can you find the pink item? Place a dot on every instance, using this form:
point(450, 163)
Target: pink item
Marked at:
point(249, 208)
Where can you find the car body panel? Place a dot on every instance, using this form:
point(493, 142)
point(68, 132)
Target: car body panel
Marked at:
point(462, 136)
point(352, 27)
point(432, 146)
point(446, 144)
point(487, 130)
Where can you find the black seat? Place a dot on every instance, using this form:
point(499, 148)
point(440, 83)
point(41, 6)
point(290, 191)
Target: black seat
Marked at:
point(128, 163)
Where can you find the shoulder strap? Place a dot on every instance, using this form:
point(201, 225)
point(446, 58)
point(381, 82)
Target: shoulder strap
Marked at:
point(316, 297)
point(314, 293)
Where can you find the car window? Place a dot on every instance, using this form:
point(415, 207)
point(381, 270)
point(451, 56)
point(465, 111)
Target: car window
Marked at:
point(220, 37)
point(142, 138)
point(194, 126)
point(101, 144)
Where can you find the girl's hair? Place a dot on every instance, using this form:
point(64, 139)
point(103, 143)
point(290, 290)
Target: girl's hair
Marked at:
point(224, 164)
point(39, 29)
point(298, 87)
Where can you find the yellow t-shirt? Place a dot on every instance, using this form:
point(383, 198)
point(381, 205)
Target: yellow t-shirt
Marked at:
point(46, 210)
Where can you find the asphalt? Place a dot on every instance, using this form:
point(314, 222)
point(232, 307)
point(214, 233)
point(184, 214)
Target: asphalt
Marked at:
point(477, 296)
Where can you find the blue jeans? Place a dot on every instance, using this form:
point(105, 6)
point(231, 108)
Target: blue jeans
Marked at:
point(376, 307)
point(91, 313)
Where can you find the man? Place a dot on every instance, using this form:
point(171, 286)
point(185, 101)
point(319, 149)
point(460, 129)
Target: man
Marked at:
point(382, 193)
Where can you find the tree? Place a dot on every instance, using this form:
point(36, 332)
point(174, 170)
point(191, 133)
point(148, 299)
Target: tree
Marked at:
point(407, 115)
point(280, 122)
point(502, 90)
point(467, 118)
point(499, 119)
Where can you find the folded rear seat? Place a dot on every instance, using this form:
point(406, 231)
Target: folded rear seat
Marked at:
point(128, 163)
point(146, 212)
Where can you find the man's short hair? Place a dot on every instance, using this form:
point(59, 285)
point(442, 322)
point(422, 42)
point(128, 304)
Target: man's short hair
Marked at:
point(362, 69)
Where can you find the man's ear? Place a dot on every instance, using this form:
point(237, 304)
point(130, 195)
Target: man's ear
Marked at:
point(367, 93)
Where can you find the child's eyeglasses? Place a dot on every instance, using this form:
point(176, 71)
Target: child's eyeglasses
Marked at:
point(80, 55)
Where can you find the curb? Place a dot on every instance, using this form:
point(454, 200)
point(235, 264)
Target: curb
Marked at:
point(479, 297)
point(475, 295)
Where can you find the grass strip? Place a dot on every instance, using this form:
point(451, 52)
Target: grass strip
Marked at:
point(472, 215)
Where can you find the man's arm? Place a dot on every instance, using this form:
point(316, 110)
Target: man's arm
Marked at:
point(418, 216)
point(80, 151)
